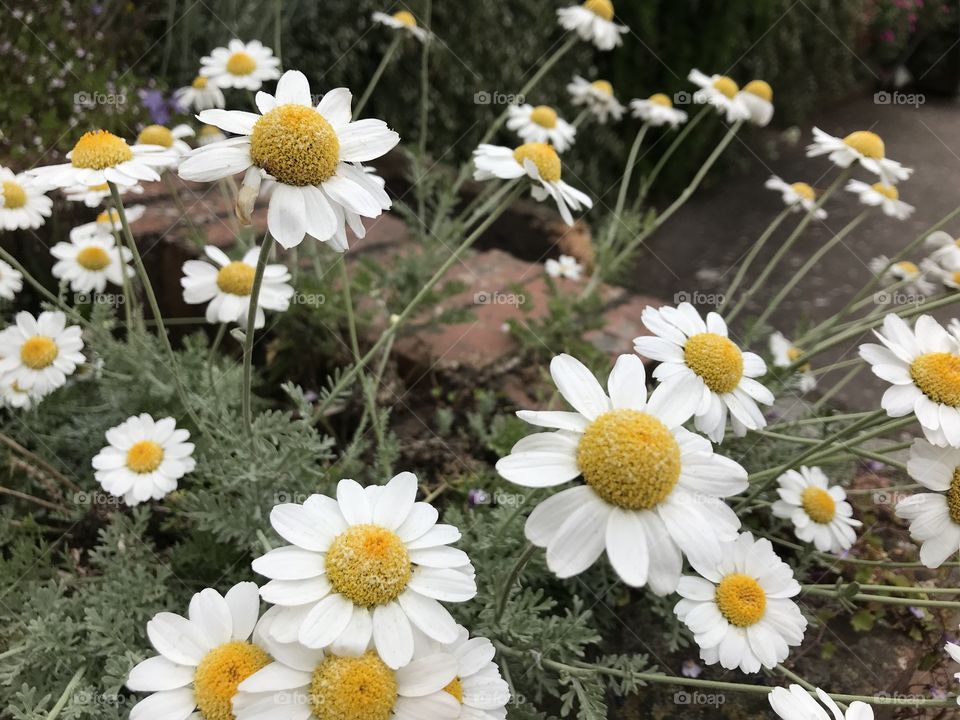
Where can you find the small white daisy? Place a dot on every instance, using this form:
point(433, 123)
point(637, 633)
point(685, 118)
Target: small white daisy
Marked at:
point(94, 195)
point(11, 281)
point(757, 98)
point(209, 134)
point(144, 459)
point(245, 66)
point(798, 195)
point(403, 20)
point(540, 124)
point(168, 138)
point(946, 249)
point(23, 203)
point(862, 146)
point(819, 512)
point(593, 22)
point(934, 516)
point(953, 651)
point(950, 278)
point(566, 266)
point(199, 95)
point(13, 396)
point(39, 352)
point(651, 490)
point(88, 262)
point(540, 163)
point(703, 373)
point(881, 195)
point(797, 704)
point(658, 110)
point(721, 92)
point(784, 353)
point(739, 610)
point(107, 223)
point(912, 275)
point(597, 97)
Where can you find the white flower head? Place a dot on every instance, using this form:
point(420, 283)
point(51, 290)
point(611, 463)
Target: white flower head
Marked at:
point(913, 276)
point(720, 91)
point(945, 249)
point(934, 516)
point(13, 396)
point(862, 146)
point(171, 139)
point(881, 195)
point(593, 22)
point(540, 124)
point(23, 202)
point(11, 281)
point(93, 195)
point(566, 266)
point(658, 110)
point(38, 353)
point(107, 222)
point(245, 66)
point(797, 704)
point(798, 196)
point(89, 261)
point(199, 95)
point(784, 353)
point(597, 97)
point(819, 512)
point(403, 21)
point(953, 651)
point(757, 97)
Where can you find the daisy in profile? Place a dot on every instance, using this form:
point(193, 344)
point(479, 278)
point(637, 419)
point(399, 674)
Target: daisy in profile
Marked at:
point(11, 281)
point(201, 658)
point(209, 134)
point(170, 138)
point(906, 274)
point(37, 353)
point(881, 195)
point(593, 22)
point(227, 285)
point(953, 651)
point(107, 223)
point(739, 609)
point(540, 163)
point(757, 98)
point(404, 21)
point(13, 396)
point(819, 512)
point(797, 704)
point(862, 146)
point(566, 266)
point(94, 195)
point(934, 516)
point(245, 66)
point(313, 153)
point(798, 196)
point(922, 365)
point(144, 459)
point(647, 481)
point(199, 95)
point(540, 124)
point(784, 353)
point(88, 262)
point(945, 248)
point(721, 92)
point(597, 97)
point(703, 373)
point(368, 566)
point(658, 110)
point(23, 203)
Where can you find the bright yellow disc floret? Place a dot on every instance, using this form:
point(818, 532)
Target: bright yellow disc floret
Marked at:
point(867, 143)
point(236, 278)
point(144, 456)
point(155, 135)
point(760, 88)
point(38, 352)
point(240, 63)
point(804, 190)
point(406, 17)
point(603, 8)
point(888, 191)
point(218, 674)
point(726, 86)
point(93, 258)
point(99, 150)
point(661, 99)
point(455, 688)
point(715, 359)
point(353, 688)
point(543, 156)
point(818, 504)
point(741, 600)
point(603, 86)
point(199, 82)
point(368, 564)
point(953, 497)
point(544, 116)
point(296, 145)
point(14, 196)
point(937, 374)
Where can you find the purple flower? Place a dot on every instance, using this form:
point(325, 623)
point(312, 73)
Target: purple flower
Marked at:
point(156, 105)
point(691, 669)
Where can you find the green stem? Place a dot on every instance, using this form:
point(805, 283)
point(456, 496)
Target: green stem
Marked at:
point(752, 255)
point(251, 329)
point(625, 185)
point(882, 599)
point(39, 287)
point(126, 285)
point(424, 116)
point(668, 153)
point(195, 233)
point(65, 696)
point(512, 579)
point(375, 78)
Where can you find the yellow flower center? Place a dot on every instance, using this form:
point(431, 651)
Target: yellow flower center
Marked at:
point(155, 135)
point(741, 600)
point(208, 131)
point(603, 8)
point(455, 688)
point(544, 116)
point(866, 143)
point(99, 188)
point(93, 258)
point(406, 17)
point(14, 196)
point(907, 268)
point(241, 64)
point(760, 88)
point(38, 352)
point(937, 374)
point(98, 150)
point(726, 86)
point(818, 504)
point(804, 190)
point(955, 277)
point(199, 82)
point(794, 353)
point(661, 99)
point(543, 156)
point(236, 278)
point(715, 359)
point(218, 674)
point(109, 219)
point(144, 456)
point(368, 564)
point(296, 145)
point(603, 86)
point(888, 191)
point(953, 497)
point(353, 688)
point(630, 459)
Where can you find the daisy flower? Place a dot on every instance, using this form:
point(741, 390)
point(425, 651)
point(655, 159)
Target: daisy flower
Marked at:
point(144, 459)
point(245, 66)
point(798, 195)
point(540, 124)
point(227, 285)
point(923, 367)
point(567, 267)
point(934, 516)
point(199, 95)
point(93, 195)
point(953, 650)
point(658, 110)
point(371, 563)
point(13, 396)
point(703, 373)
point(946, 249)
point(312, 153)
point(784, 353)
point(739, 609)
point(11, 281)
point(797, 704)
point(819, 512)
point(949, 276)
point(209, 134)
point(540, 163)
point(903, 271)
point(23, 204)
point(201, 658)
point(597, 97)
point(757, 98)
point(169, 138)
point(721, 92)
point(37, 353)
point(107, 223)
point(881, 195)
point(88, 262)
point(403, 20)
point(862, 146)
point(651, 489)
point(593, 22)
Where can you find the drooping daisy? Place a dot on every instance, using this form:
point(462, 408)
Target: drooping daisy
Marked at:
point(784, 354)
point(39, 352)
point(144, 459)
point(202, 658)
point(949, 276)
point(540, 124)
point(13, 396)
point(227, 285)
point(597, 97)
point(652, 489)
point(593, 22)
point(934, 516)
point(739, 609)
point(757, 98)
point(953, 650)
point(862, 146)
point(913, 277)
point(946, 248)
point(94, 195)
point(209, 134)
point(372, 563)
point(881, 195)
point(23, 204)
point(798, 195)
point(199, 95)
point(566, 266)
point(819, 512)
point(107, 223)
point(403, 20)
point(540, 163)
point(923, 366)
point(658, 110)
point(703, 373)
point(11, 281)
point(245, 66)
point(314, 154)
point(720, 91)
point(797, 704)
point(88, 262)
point(169, 138)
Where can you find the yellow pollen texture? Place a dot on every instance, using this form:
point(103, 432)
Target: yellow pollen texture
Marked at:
point(155, 135)
point(937, 375)
point(603, 8)
point(543, 156)
point(14, 196)
point(603, 86)
point(236, 278)
point(907, 268)
point(406, 17)
point(661, 99)
point(888, 191)
point(219, 673)
point(109, 218)
point(955, 277)
point(953, 497)
point(804, 190)
point(93, 258)
point(630, 459)
point(866, 143)
point(353, 688)
point(199, 82)
point(98, 150)
point(144, 456)
point(368, 564)
point(760, 88)
point(296, 145)
point(455, 688)
point(818, 504)
point(38, 352)
point(741, 600)
point(716, 360)
point(726, 86)
point(241, 64)
point(544, 116)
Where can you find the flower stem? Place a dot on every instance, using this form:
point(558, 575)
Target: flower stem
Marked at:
point(512, 579)
point(65, 696)
point(39, 287)
point(882, 599)
point(648, 181)
point(751, 256)
point(251, 329)
point(375, 78)
point(625, 185)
